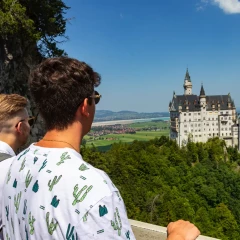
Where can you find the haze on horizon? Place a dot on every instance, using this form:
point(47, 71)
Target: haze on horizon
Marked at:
point(143, 48)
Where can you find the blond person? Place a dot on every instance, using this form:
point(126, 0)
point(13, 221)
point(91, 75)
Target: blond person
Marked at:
point(14, 133)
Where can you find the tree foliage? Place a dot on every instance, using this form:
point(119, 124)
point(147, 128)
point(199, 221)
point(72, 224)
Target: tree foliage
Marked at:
point(38, 21)
point(160, 182)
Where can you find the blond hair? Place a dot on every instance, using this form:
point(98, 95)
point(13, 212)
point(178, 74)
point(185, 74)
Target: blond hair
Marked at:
point(10, 105)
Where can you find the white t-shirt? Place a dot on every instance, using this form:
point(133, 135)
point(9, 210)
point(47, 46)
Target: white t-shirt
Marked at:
point(51, 193)
point(4, 166)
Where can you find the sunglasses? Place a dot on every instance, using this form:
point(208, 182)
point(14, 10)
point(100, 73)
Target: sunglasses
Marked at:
point(31, 121)
point(96, 97)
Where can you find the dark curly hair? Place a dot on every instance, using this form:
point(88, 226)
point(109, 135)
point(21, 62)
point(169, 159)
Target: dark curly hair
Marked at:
point(59, 86)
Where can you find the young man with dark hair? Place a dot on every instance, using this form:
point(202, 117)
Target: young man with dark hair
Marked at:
point(14, 133)
point(50, 191)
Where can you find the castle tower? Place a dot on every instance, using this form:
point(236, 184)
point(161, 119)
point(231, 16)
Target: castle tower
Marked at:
point(187, 84)
point(202, 97)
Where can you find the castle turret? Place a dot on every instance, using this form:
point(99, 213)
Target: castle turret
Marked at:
point(202, 97)
point(187, 84)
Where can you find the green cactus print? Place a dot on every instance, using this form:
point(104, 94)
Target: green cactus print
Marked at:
point(102, 210)
point(51, 226)
point(26, 232)
point(70, 233)
point(35, 187)
point(7, 237)
point(83, 167)
point(12, 225)
point(63, 157)
point(28, 179)
point(55, 201)
point(27, 150)
point(35, 159)
point(9, 175)
point(77, 194)
point(43, 165)
point(17, 201)
point(128, 235)
point(15, 183)
point(117, 223)
point(85, 217)
point(53, 182)
point(25, 207)
point(7, 211)
point(31, 221)
point(22, 165)
point(35, 151)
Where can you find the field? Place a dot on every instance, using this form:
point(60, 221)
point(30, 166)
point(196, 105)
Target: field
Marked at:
point(144, 131)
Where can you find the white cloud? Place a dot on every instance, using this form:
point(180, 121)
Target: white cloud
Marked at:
point(201, 5)
point(228, 6)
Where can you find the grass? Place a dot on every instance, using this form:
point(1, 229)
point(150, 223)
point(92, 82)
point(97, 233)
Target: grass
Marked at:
point(104, 143)
point(158, 124)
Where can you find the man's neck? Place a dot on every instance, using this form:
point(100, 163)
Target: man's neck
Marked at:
point(71, 137)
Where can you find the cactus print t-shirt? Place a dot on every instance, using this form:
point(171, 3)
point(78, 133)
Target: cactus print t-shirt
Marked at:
point(51, 193)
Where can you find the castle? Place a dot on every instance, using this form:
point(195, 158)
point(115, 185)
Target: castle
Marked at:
point(200, 117)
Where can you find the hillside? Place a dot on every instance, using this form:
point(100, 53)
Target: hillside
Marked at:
point(161, 182)
point(107, 115)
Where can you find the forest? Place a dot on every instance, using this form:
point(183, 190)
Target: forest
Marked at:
point(161, 182)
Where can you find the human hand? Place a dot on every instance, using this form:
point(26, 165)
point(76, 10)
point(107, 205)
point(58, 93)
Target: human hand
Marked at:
point(182, 230)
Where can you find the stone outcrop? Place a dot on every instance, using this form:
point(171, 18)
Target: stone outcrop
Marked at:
point(17, 58)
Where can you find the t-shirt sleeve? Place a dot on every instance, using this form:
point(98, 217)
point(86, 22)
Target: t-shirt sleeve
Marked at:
point(106, 220)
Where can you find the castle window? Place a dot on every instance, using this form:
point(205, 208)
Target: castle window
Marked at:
point(199, 125)
point(230, 134)
point(229, 118)
point(198, 113)
point(189, 114)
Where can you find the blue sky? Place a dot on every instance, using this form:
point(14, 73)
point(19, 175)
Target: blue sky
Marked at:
point(142, 48)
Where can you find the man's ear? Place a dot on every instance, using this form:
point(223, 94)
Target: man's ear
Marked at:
point(84, 108)
point(19, 127)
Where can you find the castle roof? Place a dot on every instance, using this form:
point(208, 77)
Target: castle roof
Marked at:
point(202, 92)
point(193, 102)
point(187, 76)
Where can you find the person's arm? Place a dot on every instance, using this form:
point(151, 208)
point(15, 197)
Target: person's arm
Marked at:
point(182, 230)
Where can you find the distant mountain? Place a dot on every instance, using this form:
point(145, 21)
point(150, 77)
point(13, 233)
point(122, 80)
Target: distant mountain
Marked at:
point(107, 115)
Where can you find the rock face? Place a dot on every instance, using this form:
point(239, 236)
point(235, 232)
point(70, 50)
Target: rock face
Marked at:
point(17, 58)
